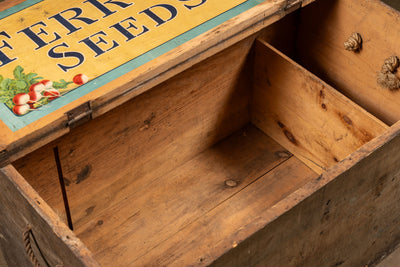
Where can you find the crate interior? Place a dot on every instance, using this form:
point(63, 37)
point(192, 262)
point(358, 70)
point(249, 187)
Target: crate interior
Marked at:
point(314, 37)
point(185, 171)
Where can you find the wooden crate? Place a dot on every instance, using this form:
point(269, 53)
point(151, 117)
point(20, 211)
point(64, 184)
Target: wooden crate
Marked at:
point(262, 142)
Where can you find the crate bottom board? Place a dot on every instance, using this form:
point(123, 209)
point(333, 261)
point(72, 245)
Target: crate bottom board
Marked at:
point(198, 211)
point(214, 198)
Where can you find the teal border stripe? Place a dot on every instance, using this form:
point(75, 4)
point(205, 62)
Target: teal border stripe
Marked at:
point(18, 8)
point(15, 122)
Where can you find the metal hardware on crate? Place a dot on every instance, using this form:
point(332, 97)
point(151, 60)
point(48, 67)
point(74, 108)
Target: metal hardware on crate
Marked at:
point(79, 115)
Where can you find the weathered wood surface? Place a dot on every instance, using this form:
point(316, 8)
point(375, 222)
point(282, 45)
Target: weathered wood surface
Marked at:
point(19, 143)
point(148, 136)
point(4, 4)
point(360, 204)
point(349, 216)
point(154, 214)
point(392, 258)
point(232, 221)
point(22, 206)
point(120, 226)
point(308, 117)
point(325, 25)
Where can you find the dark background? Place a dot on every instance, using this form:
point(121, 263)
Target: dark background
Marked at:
point(393, 3)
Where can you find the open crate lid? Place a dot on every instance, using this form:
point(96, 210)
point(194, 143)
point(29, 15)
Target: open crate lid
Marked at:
point(99, 54)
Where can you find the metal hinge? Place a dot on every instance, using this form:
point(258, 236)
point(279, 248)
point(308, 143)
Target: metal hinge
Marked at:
point(79, 115)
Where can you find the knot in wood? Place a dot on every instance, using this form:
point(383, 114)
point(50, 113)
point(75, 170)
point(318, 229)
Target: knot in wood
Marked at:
point(231, 183)
point(354, 42)
point(387, 77)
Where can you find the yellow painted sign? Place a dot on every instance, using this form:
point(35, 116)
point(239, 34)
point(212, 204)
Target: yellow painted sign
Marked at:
point(54, 38)
point(69, 42)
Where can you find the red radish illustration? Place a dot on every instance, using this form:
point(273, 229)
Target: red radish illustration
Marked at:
point(37, 87)
point(27, 92)
point(34, 97)
point(47, 84)
point(52, 94)
point(35, 105)
point(21, 109)
point(21, 99)
point(80, 79)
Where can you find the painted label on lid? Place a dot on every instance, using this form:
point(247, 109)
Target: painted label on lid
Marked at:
point(53, 52)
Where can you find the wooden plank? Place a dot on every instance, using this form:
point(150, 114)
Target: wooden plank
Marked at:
point(324, 27)
point(308, 117)
point(349, 216)
point(283, 34)
point(116, 92)
point(44, 177)
point(121, 232)
point(148, 136)
point(391, 259)
point(224, 227)
point(20, 206)
point(5, 4)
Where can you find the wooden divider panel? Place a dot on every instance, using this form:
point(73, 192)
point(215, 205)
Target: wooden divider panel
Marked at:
point(349, 216)
point(326, 25)
point(304, 114)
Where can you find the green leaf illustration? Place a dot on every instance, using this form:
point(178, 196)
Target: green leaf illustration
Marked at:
point(62, 84)
point(21, 85)
point(32, 78)
point(5, 83)
point(18, 73)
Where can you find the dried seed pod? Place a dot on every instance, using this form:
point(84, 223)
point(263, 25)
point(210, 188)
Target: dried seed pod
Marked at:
point(390, 65)
point(354, 42)
point(387, 77)
point(388, 81)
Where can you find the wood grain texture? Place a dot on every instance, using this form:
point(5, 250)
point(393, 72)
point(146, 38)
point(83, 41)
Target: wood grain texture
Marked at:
point(146, 137)
point(22, 206)
point(305, 115)
point(325, 25)
point(122, 89)
point(389, 260)
point(130, 228)
point(228, 224)
point(349, 216)
point(5, 4)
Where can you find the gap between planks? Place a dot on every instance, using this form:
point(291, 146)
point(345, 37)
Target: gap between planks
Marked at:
point(172, 216)
point(218, 205)
point(226, 226)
